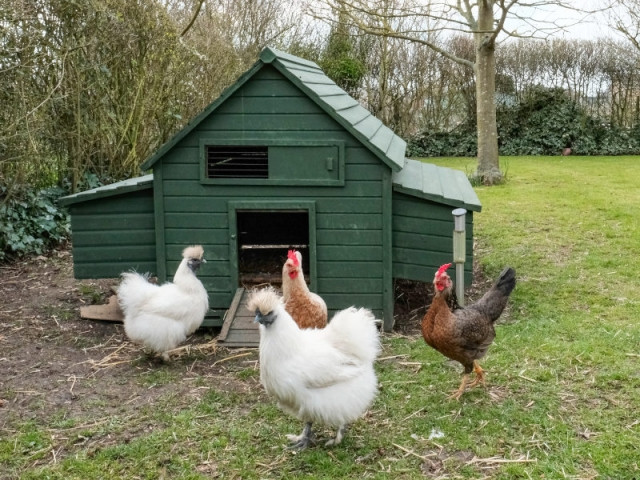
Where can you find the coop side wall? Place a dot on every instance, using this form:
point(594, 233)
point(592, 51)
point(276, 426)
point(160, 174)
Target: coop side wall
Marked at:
point(349, 229)
point(423, 238)
point(113, 234)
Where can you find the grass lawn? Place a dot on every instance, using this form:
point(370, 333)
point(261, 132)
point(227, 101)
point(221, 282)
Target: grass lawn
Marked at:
point(563, 396)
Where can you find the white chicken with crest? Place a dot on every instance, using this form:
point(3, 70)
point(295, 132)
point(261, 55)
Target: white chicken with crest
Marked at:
point(160, 317)
point(308, 309)
point(321, 376)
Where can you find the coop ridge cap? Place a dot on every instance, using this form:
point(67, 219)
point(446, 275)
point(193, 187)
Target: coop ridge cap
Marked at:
point(270, 54)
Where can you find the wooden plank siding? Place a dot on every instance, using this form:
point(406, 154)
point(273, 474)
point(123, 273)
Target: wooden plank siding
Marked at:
point(423, 238)
point(113, 234)
point(349, 223)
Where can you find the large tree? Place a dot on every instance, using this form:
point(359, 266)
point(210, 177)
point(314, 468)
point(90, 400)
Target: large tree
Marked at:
point(626, 19)
point(484, 21)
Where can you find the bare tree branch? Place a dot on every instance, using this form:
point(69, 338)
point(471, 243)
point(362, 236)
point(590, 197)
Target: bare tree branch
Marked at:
point(193, 19)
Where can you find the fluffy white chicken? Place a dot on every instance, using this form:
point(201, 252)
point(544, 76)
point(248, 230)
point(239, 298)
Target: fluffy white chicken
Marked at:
point(162, 316)
point(317, 375)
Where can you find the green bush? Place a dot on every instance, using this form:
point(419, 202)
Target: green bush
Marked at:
point(31, 222)
point(545, 122)
point(461, 142)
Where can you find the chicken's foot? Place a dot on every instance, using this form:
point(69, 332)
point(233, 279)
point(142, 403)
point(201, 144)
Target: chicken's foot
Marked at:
point(465, 379)
point(463, 385)
point(479, 375)
point(339, 436)
point(302, 441)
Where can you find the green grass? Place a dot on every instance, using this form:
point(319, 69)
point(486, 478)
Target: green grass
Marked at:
point(563, 396)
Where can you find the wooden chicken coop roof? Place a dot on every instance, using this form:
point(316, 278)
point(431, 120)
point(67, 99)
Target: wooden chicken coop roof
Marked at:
point(118, 188)
point(439, 184)
point(338, 104)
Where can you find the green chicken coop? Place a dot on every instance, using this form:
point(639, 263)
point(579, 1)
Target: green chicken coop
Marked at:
point(283, 159)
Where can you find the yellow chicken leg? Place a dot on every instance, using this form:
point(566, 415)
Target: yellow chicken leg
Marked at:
point(461, 388)
point(479, 375)
point(465, 378)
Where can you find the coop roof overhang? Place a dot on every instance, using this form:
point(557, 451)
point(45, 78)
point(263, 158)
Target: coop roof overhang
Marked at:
point(439, 184)
point(337, 103)
point(117, 188)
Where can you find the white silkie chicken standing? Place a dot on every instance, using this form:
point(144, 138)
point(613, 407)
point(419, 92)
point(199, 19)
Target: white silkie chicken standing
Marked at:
point(162, 316)
point(317, 375)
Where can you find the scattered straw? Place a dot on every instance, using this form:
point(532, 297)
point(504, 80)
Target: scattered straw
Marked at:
point(498, 460)
point(208, 348)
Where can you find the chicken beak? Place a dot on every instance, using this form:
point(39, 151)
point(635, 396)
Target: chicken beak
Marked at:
point(265, 319)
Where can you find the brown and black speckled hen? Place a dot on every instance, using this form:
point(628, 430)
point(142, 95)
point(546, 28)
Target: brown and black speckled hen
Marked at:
point(464, 334)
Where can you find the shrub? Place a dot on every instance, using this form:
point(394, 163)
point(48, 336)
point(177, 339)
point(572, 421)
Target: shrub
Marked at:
point(544, 122)
point(31, 222)
point(461, 142)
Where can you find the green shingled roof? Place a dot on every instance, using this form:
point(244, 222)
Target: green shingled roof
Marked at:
point(117, 188)
point(440, 184)
point(308, 76)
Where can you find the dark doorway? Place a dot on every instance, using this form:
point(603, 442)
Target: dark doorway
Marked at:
point(264, 238)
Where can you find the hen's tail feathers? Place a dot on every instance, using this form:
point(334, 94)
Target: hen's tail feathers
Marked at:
point(494, 301)
point(134, 290)
point(506, 281)
point(354, 332)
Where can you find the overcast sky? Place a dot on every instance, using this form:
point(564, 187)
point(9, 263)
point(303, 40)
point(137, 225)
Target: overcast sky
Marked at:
point(578, 24)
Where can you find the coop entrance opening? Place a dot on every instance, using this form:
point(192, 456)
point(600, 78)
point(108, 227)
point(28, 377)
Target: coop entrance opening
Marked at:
point(264, 238)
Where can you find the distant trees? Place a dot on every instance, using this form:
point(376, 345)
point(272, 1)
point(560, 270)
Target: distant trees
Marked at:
point(482, 22)
point(94, 87)
point(90, 89)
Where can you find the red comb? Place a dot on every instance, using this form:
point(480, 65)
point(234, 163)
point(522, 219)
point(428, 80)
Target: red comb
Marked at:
point(442, 269)
point(293, 257)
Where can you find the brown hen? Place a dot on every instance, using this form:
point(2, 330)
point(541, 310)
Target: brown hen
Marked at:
point(306, 308)
point(465, 334)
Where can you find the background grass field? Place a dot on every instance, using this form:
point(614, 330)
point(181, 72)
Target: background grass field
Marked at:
point(563, 396)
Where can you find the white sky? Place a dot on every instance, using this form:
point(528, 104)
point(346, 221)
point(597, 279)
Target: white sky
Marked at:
point(578, 24)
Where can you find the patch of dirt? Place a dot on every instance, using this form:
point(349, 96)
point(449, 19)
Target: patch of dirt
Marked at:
point(54, 363)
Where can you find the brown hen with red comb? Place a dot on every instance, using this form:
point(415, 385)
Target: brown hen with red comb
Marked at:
point(465, 334)
point(306, 308)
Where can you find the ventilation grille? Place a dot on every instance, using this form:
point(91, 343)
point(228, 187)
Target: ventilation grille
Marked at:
point(237, 161)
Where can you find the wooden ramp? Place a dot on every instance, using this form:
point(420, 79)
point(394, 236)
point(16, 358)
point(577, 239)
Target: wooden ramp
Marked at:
point(239, 329)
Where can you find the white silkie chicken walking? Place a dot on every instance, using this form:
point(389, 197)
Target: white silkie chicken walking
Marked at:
point(317, 375)
point(160, 317)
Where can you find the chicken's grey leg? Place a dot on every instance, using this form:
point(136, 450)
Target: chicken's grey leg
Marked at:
point(303, 440)
point(339, 435)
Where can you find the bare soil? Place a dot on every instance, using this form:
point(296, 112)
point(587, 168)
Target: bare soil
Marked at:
point(54, 363)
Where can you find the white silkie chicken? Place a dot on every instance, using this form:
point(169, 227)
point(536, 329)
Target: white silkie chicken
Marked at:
point(317, 375)
point(162, 316)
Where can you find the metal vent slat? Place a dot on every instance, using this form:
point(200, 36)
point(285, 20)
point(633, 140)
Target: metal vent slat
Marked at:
point(237, 161)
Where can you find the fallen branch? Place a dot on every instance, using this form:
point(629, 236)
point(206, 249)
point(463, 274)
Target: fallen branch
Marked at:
point(404, 355)
point(527, 378)
point(498, 460)
point(410, 452)
point(230, 358)
point(413, 414)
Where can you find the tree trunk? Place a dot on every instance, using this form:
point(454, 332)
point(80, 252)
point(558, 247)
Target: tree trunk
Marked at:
point(488, 171)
